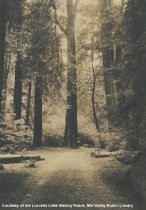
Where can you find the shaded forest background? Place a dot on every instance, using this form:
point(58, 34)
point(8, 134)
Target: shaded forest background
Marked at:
point(72, 73)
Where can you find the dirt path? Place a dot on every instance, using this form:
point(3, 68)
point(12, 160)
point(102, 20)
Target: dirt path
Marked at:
point(72, 177)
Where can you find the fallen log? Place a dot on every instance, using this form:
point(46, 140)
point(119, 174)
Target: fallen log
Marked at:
point(100, 154)
point(18, 159)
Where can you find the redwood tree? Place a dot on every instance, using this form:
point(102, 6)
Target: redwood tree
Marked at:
point(108, 59)
point(45, 60)
point(70, 137)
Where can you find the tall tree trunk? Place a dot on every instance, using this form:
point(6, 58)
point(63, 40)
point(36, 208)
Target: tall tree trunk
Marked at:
point(37, 134)
point(71, 112)
point(3, 20)
point(93, 93)
point(108, 57)
point(18, 87)
point(6, 72)
point(28, 104)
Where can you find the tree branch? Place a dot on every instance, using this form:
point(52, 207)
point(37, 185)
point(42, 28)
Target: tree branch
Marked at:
point(57, 22)
point(61, 27)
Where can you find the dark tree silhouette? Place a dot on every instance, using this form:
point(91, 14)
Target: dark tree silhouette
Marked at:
point(18, 87)
point(94, 90)
point(3, 20)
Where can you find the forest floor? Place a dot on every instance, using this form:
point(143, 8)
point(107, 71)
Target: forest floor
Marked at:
point(67, 176)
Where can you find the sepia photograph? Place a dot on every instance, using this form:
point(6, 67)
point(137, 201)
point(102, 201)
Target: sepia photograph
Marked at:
point(73, 104)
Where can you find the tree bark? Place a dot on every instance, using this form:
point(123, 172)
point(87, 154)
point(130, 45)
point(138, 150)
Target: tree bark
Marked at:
point(18, 87)
point(70, 136)
point(28, 104)
point(37, 134)
point(3, 20)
